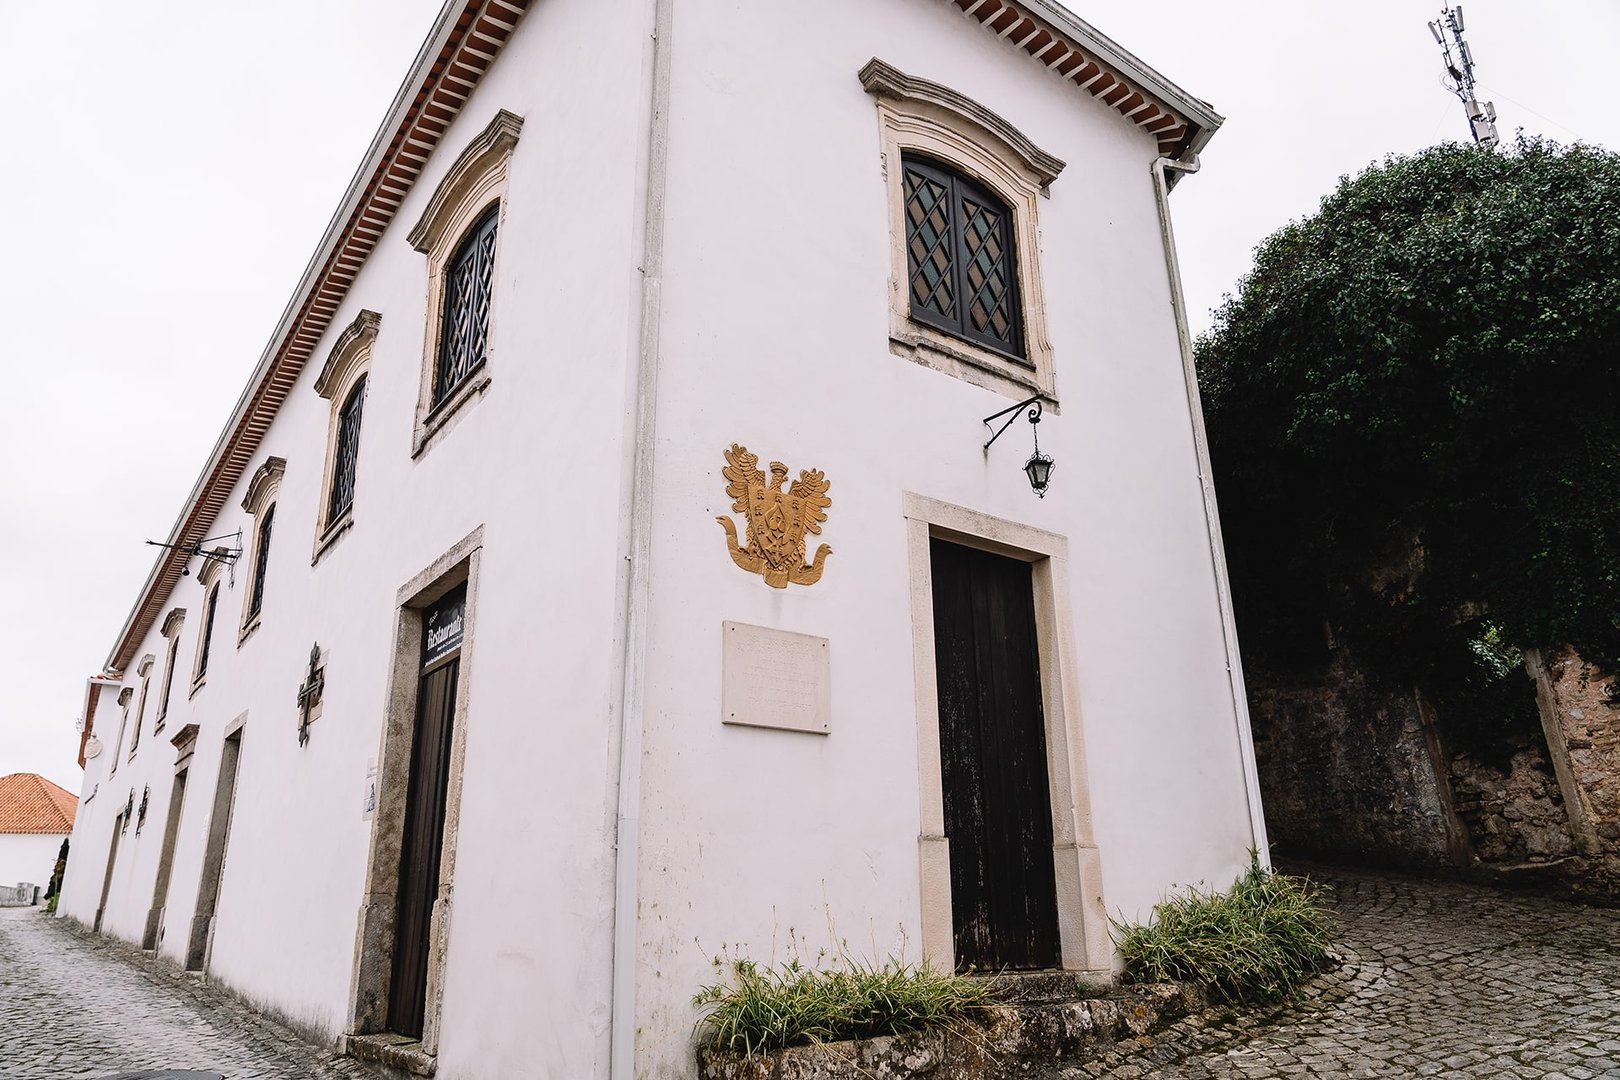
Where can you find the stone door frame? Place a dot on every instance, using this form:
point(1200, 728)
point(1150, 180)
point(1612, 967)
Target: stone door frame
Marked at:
point(1082, 916)
point(374, 932)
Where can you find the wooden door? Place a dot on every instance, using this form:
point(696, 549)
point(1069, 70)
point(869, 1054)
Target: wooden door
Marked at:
point(423, 844)
point(200, 943)
point(992, 735)
point(112, 860)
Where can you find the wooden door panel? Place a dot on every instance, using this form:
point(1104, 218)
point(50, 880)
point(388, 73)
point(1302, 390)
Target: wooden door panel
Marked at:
point(423, 846)
point(998, 813)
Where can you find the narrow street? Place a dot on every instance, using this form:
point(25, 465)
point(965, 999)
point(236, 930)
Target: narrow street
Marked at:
point(73, 1007)
point(1440, 979)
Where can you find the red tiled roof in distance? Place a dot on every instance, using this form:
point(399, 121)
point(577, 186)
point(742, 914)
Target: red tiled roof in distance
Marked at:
point(29, 803)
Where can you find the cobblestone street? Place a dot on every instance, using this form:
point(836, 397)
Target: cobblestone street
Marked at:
point(75, 1007)
point(1440, 979)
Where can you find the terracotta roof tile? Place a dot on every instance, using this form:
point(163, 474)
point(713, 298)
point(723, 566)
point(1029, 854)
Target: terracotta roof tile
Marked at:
point(29, 803)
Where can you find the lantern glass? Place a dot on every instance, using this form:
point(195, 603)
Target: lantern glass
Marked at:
point(1039, 470)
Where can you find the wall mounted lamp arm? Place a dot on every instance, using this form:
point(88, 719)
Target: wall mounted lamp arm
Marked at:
point(1034, 416)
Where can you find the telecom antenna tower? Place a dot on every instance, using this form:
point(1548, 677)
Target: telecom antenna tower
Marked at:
point(1460, 70)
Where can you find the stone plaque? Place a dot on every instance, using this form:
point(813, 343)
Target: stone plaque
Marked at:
point(774, 679)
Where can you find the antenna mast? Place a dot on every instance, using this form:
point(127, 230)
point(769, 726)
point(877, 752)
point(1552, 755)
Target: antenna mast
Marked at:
point(1448, 34)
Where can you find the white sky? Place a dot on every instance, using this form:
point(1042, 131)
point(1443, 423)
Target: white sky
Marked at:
point(168, 177)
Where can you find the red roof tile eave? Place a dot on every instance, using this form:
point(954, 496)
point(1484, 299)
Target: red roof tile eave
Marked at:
point(31, 804)
point(1058, 40)
point(465, 40)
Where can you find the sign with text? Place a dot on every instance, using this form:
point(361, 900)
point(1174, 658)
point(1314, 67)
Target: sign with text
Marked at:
point(443, 625)
point(774, 679)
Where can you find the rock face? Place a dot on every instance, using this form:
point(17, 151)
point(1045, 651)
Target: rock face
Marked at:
point(1345, 774)
point(1355, 772)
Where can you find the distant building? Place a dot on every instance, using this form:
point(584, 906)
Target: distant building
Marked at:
point(510, 736)
point(35, 817)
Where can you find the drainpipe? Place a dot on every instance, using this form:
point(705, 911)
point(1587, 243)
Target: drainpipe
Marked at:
point(1212, 517)
point(636, 582)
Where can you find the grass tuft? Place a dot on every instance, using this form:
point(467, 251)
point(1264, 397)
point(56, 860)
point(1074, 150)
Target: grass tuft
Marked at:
point(1252, 944)
point(763, 1008)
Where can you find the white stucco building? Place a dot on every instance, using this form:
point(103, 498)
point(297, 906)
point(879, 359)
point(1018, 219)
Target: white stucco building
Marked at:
point(491, 737)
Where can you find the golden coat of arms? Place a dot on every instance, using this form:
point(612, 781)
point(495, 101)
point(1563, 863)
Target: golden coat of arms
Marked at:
point(777, 520)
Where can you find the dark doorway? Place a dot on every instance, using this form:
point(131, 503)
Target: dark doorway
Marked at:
point(112, 859)
point(200, 943)
point(423, 843)
point(160, 888)
point(992, 736)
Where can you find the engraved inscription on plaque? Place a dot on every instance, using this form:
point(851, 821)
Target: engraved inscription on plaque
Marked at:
point(774, 679)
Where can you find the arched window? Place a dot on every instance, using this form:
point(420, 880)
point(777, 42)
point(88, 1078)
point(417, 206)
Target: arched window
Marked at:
point(464, 333)
point(348, 447)
point(261, 559)
point(962, 272)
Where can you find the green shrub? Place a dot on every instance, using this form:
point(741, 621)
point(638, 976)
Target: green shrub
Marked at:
point(766, 1008)
point(1254, 943)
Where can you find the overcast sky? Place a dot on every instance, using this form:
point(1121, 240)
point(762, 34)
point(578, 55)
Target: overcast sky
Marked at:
point(168, 177)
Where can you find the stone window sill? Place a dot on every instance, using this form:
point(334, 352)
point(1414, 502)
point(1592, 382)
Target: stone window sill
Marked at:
point(439, 417)
point(332, 534)
point(196, 685)
point(981, 367)
point(247, 629)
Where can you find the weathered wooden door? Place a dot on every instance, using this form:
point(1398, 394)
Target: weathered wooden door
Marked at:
point(112, 860)
point(425, 799)
point(992, 735)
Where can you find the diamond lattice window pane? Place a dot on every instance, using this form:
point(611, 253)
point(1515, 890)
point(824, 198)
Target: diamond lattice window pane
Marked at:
point(988, 270)
point(928, 243)
point(464, 336)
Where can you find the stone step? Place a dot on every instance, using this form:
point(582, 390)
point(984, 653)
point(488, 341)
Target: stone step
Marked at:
point(1044, 987)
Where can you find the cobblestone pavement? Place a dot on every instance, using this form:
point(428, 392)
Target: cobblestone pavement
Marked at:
point(75, 1006)
point(1439, 979)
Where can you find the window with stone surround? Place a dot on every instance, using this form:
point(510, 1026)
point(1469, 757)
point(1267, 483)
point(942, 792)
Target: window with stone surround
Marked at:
point(210, 577)
point(964, 188)
point(145, 672)
point(260, 503)
point(342, 382)
point(172, 623)
point(458, 232)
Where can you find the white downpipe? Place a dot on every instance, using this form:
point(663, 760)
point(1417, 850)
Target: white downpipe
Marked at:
point(1212, 516)
point(638, 554)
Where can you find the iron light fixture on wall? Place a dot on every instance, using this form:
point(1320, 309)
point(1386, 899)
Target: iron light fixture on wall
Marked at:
point(1039, 466)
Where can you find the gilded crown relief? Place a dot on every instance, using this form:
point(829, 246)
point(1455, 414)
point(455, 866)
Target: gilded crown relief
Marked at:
point(777, 520)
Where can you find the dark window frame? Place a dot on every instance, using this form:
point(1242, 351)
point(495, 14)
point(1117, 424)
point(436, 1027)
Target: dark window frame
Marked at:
point(961, 188)
point(203, 650)
point(469, 280)
point(261, 560)
point(346, 452)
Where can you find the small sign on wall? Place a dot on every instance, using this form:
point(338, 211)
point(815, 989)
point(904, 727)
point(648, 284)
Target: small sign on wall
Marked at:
point(774, 679)
point(370, 805)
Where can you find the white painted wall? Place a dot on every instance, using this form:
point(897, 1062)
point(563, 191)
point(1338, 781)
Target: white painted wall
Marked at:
point(29, 857)
point(748, 836)
point(535, 462)
point(775, 190)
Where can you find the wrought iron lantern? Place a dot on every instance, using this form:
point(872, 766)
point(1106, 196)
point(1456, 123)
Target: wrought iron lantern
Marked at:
point(1039, 466)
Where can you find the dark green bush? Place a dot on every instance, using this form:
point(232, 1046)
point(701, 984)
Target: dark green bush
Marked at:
point(1252, 944)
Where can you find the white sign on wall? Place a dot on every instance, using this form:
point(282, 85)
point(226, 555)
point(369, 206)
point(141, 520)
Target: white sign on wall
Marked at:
point(774, 679)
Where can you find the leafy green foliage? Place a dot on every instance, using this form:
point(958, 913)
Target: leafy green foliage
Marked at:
point(1412, 409)
point(1253, 943)
point(767, 1008)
